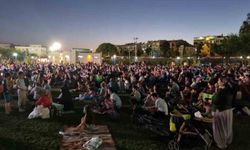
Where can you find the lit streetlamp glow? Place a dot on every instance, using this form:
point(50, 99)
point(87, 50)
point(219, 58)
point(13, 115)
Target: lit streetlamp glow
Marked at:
point(178, 58)
point(55, 46)
point(67, 56)
point(15, 54)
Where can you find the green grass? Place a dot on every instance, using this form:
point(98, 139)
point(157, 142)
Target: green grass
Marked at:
point(17, 132)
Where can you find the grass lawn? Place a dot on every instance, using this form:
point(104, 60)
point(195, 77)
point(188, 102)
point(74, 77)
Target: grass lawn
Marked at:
point(17, 132)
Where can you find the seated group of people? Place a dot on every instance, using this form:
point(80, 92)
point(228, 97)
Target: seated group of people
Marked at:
point(43, 101)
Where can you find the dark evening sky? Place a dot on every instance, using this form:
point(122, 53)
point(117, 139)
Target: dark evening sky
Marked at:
point(87, 23)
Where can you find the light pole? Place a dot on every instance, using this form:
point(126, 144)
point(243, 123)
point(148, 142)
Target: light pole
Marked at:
point(114, 59)
point(135, 41)
point(56, 46)
point(15, 55)
point(195, 55)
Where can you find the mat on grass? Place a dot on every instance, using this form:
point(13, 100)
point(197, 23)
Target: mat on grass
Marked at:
point(74, 141)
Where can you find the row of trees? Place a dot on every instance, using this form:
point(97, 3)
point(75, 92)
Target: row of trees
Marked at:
point(7, 53)
point(233, 45)
point(11, 54)
point(108, 49)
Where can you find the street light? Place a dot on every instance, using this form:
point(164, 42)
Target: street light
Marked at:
point(135, 39)
point(15, 55)
point(55, 46)
point(114, 59)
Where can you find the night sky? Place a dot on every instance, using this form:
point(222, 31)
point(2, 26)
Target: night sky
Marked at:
point(88, 23)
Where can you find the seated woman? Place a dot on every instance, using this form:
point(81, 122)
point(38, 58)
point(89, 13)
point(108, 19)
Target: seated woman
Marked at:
point(205, 98)
point(42, 107)
point(65, 99)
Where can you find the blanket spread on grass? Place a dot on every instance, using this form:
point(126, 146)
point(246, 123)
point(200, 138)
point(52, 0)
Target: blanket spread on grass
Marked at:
point(75, 140)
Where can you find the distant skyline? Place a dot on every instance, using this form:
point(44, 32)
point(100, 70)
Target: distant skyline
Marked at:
point(88, 23)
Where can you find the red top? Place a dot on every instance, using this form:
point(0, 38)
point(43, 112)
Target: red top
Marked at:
point(44, 100)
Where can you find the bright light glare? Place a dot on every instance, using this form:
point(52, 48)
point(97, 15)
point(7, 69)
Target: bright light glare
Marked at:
point(178, 57)
point(55, 46)
point(15, 54)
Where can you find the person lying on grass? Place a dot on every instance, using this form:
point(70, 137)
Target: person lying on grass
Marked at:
point(42, 107)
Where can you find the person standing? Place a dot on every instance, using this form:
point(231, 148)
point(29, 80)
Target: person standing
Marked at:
point(222, 111)
point(21, 92)
point(7, 86)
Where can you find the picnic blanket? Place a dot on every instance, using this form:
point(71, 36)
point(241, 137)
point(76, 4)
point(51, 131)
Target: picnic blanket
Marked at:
point(75, 140)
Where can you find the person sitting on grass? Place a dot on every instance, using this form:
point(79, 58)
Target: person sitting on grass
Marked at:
point(88, 95)
point(116, 100)
point(42, 107)
point(135, 97)
point(64, 99)
point(111, 104)
point(160, 108)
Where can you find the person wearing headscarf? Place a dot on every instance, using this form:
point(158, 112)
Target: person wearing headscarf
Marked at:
point(65, 99)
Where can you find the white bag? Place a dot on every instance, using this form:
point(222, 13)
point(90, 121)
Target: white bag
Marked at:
point(93, 144)
point(39, 111)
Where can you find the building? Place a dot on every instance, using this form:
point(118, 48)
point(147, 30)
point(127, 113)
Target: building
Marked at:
point(75, 52)
point(210, 39)
point(204, 43)
point(75, 55)
point(156, 48)
point(181, 48)
point(129, 49)
point(38, 50)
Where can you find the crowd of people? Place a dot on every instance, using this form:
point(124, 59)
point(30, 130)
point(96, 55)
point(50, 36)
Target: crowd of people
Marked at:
point(156, 89)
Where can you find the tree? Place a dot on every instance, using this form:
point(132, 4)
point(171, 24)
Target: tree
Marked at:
point(107, 49)
point(7, 53)
point(205, 50)
point(164, 48)
point(231, 46)
point(148, 50)
point(244, 39)
point(245, 27)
